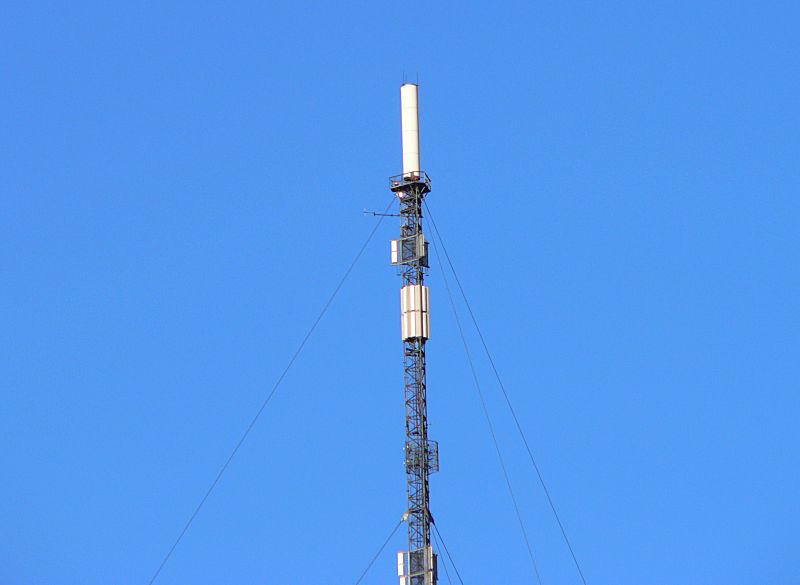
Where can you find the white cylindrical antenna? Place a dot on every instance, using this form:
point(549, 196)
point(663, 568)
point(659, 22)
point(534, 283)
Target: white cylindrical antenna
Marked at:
point(409, 116)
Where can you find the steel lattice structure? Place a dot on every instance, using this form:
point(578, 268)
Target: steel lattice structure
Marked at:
point(421, 454)
point(416, 565)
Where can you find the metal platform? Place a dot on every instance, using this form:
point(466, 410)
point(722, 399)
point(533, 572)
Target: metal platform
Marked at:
point(407, 182)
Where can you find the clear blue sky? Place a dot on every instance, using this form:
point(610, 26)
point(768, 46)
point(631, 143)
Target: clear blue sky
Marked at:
point(182, 185)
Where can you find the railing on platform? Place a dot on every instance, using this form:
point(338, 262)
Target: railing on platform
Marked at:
point(404, 181)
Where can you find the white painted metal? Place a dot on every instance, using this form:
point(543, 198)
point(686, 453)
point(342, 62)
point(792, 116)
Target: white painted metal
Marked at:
point(401, 564)
point(409, 116)
point(414, 315)
point(420, 247)
point(395, 252)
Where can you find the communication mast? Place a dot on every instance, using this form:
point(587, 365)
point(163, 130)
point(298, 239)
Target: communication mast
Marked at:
point(417, 565)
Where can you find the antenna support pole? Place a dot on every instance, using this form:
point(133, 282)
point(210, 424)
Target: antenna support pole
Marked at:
point(417, 565)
